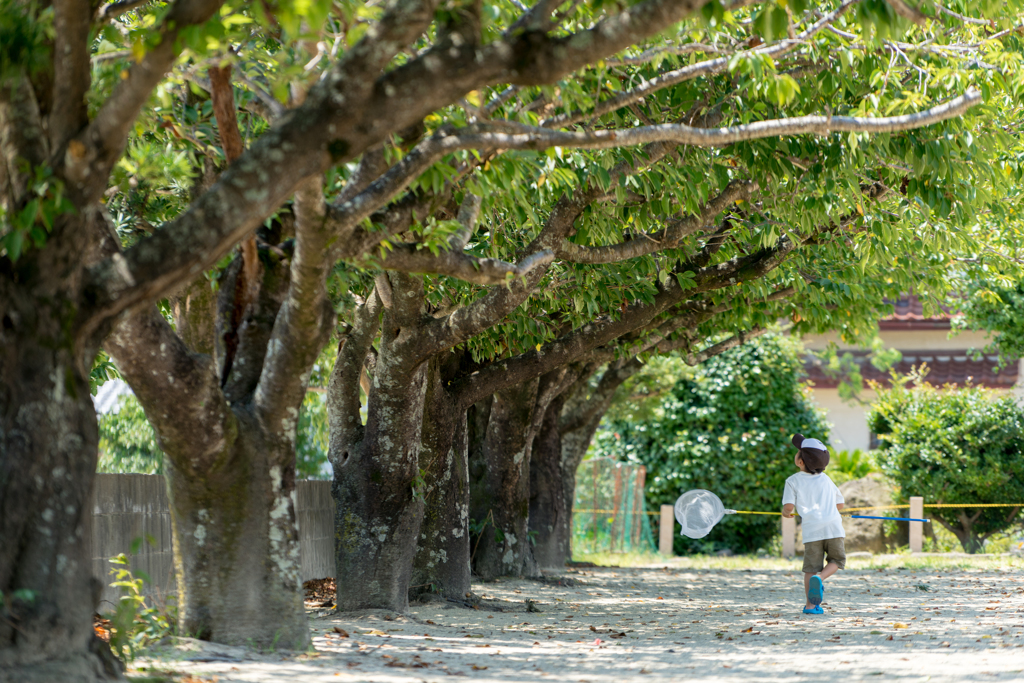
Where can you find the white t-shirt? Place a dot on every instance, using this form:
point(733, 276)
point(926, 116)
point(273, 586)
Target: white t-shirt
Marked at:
point(815, 498)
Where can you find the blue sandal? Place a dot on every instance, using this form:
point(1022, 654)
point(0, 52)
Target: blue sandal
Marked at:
point(814, 610)
point(816, 591)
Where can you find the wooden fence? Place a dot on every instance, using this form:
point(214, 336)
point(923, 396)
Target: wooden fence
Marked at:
point(131, 507)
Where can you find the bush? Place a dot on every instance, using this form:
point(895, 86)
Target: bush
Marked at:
point(726, 428)
point(849, 465)
point(954, 446)
point(127, 440)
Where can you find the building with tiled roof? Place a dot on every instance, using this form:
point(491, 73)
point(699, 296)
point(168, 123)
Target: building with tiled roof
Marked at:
point(922, 340)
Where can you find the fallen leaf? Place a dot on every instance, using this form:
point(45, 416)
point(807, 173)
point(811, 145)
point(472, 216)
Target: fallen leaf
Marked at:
point(341, 632)
point(431, 623)
point(748, 630)
point(899, 625)
point(479, 668)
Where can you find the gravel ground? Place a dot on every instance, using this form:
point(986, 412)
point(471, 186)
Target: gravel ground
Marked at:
point(609, 625)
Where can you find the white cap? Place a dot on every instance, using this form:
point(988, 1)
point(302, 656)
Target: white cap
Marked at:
point(813, 443)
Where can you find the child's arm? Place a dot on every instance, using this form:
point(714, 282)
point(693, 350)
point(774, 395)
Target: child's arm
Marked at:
point(787, 510)
point(839, 506)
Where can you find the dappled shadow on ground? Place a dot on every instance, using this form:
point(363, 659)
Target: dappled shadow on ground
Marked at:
point(672, 623)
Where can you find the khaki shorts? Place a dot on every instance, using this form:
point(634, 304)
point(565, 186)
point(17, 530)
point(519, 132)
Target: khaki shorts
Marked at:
point(815, 551)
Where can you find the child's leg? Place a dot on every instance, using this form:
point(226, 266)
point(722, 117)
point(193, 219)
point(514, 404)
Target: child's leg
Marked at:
point(835, 556)
point(814, 556)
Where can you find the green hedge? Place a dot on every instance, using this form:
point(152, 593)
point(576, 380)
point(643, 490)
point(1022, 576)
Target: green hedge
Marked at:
point(725, 428)
point(954, 446)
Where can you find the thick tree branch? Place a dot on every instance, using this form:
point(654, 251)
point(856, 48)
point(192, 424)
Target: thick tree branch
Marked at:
point(669, 238)
point(71, 71)
point(179, 391)
point(247, 280)
point(343, 406)
point(372, 165)
point(304, 322)
point(22, 136)
point(412, 258)
point(469, 212)
point(908, 12)
point(539, 138)
point(225, 112)
point(540, 59)
point(581, 412)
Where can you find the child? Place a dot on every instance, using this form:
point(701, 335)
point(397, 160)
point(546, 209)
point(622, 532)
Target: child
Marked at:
point(818, 501)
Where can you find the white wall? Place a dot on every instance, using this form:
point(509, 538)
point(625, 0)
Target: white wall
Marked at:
point(849, 420)
point(917, 340)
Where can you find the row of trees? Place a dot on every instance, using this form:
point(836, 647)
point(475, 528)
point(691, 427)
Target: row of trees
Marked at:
point(491, 214)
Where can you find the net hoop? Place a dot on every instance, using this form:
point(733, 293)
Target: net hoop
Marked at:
point(698, 511)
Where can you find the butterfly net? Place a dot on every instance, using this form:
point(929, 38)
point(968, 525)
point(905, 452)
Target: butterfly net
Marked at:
point(698, 511)
point(608, 510)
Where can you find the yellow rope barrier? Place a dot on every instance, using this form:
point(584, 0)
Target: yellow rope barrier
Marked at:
point(844, 510)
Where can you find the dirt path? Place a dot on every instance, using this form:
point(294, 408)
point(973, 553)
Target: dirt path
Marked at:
point(609, 625)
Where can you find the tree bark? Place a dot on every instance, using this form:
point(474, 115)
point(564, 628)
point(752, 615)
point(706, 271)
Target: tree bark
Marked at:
point(442, 562)
point(48, 446)
point(550, 510)
point(377, 487)
point(236, 546)
point(504, 548)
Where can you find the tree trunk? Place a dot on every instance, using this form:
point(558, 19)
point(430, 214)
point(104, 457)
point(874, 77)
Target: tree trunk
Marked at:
point(574, 448)
point(230, 457)
point(441, 564)
point(568, 428)
point(377, 487)
point(556, 458)
point(550, 511)
point(236, 546)
point(504, 548)
point(48, 446)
